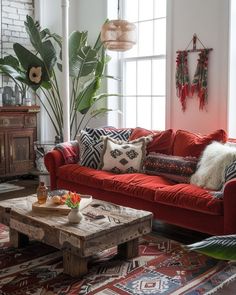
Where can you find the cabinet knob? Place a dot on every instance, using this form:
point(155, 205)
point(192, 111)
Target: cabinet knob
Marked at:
point(6, 122)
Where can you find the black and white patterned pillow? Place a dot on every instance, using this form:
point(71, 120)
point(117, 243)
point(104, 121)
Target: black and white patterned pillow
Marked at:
point(119, 134)
point(91, 144)
point(230, 173)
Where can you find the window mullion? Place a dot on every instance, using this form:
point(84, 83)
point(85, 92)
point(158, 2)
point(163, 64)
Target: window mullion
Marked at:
point(149, 89)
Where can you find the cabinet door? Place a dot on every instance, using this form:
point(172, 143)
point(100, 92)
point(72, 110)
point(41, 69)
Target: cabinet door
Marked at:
point(2, 154)
point(21, 151)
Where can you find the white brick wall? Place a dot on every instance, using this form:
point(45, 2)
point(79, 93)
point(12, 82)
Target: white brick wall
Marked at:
point(12, 25)
point(13, 16)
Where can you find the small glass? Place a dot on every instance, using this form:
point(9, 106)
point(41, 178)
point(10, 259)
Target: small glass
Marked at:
point(42, 193)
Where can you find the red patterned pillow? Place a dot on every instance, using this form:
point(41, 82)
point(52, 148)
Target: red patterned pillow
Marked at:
point(176, 168)
point(162, 141)
point(192, 144)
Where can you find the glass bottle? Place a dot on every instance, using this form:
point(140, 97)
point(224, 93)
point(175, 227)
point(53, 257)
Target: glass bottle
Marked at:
point(42, 193)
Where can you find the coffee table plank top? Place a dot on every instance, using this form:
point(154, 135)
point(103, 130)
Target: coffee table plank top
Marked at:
point(119, 225)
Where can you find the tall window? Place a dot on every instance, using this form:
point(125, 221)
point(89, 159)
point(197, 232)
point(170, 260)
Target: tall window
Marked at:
point(144, 66)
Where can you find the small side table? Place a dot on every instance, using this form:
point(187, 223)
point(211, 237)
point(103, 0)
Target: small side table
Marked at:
point(41, 148)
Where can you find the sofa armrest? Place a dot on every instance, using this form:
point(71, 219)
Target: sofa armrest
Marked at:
point(230, 207)
point(53, 160)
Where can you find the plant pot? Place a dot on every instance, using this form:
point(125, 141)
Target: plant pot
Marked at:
point(75, 216)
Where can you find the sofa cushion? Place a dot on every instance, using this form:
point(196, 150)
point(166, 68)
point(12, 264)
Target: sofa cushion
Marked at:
point(91, 145)
point(82, 175)
point(162, 141)
point(123, 157)
point(190, 197)
point(176, 168)
point(135, 185)
point(191, 144)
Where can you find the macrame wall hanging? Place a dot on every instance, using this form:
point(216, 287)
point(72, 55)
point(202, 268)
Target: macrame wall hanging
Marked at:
point(184, 88)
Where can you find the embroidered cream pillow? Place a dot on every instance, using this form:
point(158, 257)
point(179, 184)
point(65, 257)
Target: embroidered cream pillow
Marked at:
point(123, 157)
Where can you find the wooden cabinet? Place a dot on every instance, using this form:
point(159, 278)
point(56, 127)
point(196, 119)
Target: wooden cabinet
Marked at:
point(18, 131)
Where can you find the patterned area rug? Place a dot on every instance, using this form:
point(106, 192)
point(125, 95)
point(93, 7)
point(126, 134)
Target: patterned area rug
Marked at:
point(8, 187)
point(162, 267)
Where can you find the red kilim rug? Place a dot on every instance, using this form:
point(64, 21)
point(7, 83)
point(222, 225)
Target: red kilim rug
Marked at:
point(163, 267)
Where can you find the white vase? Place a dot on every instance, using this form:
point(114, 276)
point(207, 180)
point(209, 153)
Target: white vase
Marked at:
point(75, 216)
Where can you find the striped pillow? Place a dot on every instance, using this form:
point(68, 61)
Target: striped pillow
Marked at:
point(91, 144)
point(176, 168)
point(230, 171)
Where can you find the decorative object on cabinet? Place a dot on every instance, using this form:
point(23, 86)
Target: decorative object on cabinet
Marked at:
point(18, 131)
point(184, 88)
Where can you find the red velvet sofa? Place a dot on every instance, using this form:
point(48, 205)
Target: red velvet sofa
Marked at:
point(181, 204)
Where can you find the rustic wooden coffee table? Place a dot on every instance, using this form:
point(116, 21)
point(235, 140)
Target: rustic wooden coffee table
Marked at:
point(120, 227)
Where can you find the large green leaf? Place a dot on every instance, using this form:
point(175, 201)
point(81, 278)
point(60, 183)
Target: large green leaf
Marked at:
point(101, 64)
point(28, 59)
point(84, 62)
point(10, 60)
point(220, 247)
point(84, 100)
point(32, 29)
point(98, 43)
point(13, 73)
point(49, 55)
point(46, 48)
point(77, 40)
point(45, 33)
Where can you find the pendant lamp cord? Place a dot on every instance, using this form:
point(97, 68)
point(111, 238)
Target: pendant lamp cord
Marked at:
point(118, 9)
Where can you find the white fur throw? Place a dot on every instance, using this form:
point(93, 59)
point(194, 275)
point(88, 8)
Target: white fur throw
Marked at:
point(211, 167)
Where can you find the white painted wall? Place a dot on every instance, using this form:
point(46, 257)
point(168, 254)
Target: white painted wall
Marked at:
point(209, 19)
point(232, 78)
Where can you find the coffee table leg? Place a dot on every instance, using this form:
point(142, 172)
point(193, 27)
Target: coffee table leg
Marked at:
point(129, 249)
point(74, 265)
point(17, 239)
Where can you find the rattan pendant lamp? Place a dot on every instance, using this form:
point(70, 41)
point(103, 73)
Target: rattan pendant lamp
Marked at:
point(118, 35)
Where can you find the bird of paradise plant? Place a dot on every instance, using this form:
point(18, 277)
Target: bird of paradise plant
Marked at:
point(38, 70)
point(220, 247)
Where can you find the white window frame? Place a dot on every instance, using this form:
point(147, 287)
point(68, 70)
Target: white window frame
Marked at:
point(122, 62)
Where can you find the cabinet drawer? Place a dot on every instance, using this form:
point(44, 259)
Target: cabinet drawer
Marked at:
point(10, 121)
point(30, 121)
